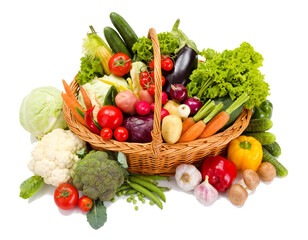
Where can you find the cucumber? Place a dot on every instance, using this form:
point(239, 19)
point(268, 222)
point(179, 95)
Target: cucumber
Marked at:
point(115, 41)
point(124, 29)
point(259, 125)
point(234, 115)
point(273, 149)
point(263, 137)
point(280, 169)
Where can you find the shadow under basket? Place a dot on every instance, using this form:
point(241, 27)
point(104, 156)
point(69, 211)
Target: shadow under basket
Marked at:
point(158, 157)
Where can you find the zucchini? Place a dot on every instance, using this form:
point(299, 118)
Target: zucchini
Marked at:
point(259, 125)
point(280, 169)
point(273, 149)
point(234, 115)
point(115, 41)
point(263, 137)
point(124, 29)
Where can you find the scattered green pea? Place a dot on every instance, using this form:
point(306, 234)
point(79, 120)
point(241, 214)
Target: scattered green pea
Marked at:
point(113, 200)
point(119, 194)
point(132, 196)
point(136, 208)
point(151, 203)
point(128, 200)
point(143, 200)
point(134, 201)
point(123, 192)
point(139, 197)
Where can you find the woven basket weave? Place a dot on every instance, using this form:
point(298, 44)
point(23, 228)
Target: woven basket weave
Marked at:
point(157, 157)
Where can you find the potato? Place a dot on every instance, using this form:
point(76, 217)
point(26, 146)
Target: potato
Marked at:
point(171, 128)
point(126, 101)
point(172, 107)
point(144, 95)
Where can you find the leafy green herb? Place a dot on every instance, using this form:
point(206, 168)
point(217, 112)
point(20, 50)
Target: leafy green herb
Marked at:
point(82, 153)
point(144, 48)
point(89, 69)
point(110, 96)
point(30, 186)
point(232, 73)
point(97, 216)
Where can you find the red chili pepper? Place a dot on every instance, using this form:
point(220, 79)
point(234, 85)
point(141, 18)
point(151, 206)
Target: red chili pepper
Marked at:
point(90, 122)
point(221, 172)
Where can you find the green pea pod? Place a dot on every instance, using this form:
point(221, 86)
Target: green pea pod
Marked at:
point(147, 193)
point(265, 110)
point(148, 186)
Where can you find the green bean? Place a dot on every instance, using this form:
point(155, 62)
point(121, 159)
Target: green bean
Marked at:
point(149, 186)
point(147, 193)
point(145, 178)
point(153, 177)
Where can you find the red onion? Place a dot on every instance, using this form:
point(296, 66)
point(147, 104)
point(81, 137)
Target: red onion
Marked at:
point(194, 104)
point(178, 92)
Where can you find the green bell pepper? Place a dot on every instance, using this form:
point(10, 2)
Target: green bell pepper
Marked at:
point(265, 110)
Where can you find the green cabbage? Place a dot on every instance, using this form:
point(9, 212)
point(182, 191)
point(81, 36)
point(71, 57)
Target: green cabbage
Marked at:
point(41, 111)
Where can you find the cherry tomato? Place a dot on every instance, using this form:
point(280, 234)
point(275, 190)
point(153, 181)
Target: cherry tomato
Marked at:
point(119, 64)
point(167, 64)
point(151, 65)
point(85, 203)
point(109, 117)
point(106, 133)
point(66, 196)
point(144, 81)
point(143, 74)
point(121, 134)
point(151, 88)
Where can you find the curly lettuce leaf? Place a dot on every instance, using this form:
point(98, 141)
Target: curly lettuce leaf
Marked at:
point(232, 73)
point(144, 48)
point(89, 69)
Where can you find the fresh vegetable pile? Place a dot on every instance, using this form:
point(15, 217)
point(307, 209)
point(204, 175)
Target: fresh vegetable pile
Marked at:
point(116, 102)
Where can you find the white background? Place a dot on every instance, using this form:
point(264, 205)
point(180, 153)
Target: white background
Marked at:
point(41, 45)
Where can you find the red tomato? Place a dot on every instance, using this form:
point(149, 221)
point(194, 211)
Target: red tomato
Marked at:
point(121, 134)
point(143, 74)
point(66, 196)
point(167, 64)
point(144, 81)
point(106, 133)
point(151, 88)
point(119, 64)
point(109, 117)
point(85, 203)
point(151, 65)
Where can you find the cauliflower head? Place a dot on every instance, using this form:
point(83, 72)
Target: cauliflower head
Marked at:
point(97, 176)
point(54, 158)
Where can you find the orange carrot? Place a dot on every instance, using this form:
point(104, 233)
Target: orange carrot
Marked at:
point(223, 117)
point(195, 131)
point(70, 94)
point(189, 122)
point(68, 101)
point(85, 97)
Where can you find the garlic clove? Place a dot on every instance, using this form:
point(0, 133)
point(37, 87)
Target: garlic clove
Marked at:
point(205, 192)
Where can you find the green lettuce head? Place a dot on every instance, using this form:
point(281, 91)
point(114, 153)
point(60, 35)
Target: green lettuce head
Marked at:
point(41, 111)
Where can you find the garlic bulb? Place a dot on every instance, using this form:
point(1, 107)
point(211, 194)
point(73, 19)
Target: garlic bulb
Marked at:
point(188, 177)
point(205, 192)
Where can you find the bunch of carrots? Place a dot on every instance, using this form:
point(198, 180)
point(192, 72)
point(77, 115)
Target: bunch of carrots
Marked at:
point(208, 120)
point(73, 104)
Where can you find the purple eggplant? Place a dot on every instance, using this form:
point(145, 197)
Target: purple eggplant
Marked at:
point(185, 62)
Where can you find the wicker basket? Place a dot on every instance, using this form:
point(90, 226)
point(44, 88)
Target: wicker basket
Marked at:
point(157, 157)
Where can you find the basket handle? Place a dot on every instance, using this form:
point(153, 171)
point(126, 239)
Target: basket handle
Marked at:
point(156, 132)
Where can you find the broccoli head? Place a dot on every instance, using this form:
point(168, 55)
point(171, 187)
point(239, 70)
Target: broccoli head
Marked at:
point(97, 176)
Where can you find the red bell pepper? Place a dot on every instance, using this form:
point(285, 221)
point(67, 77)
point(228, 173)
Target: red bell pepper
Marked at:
point(221, 172)
point(89, 121)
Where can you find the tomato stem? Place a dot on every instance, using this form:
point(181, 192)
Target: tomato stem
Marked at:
point(64, 193)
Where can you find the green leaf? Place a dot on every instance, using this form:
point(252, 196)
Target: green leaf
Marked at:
point(30, 186)
point(122, 160)
point(110, 96)
point(82, 153)
point(97, 216)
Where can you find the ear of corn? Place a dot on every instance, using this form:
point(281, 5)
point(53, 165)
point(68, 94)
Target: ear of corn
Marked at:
point(94, 46)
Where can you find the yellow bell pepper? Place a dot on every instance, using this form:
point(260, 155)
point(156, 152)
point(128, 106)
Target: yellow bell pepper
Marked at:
point(245, 152)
